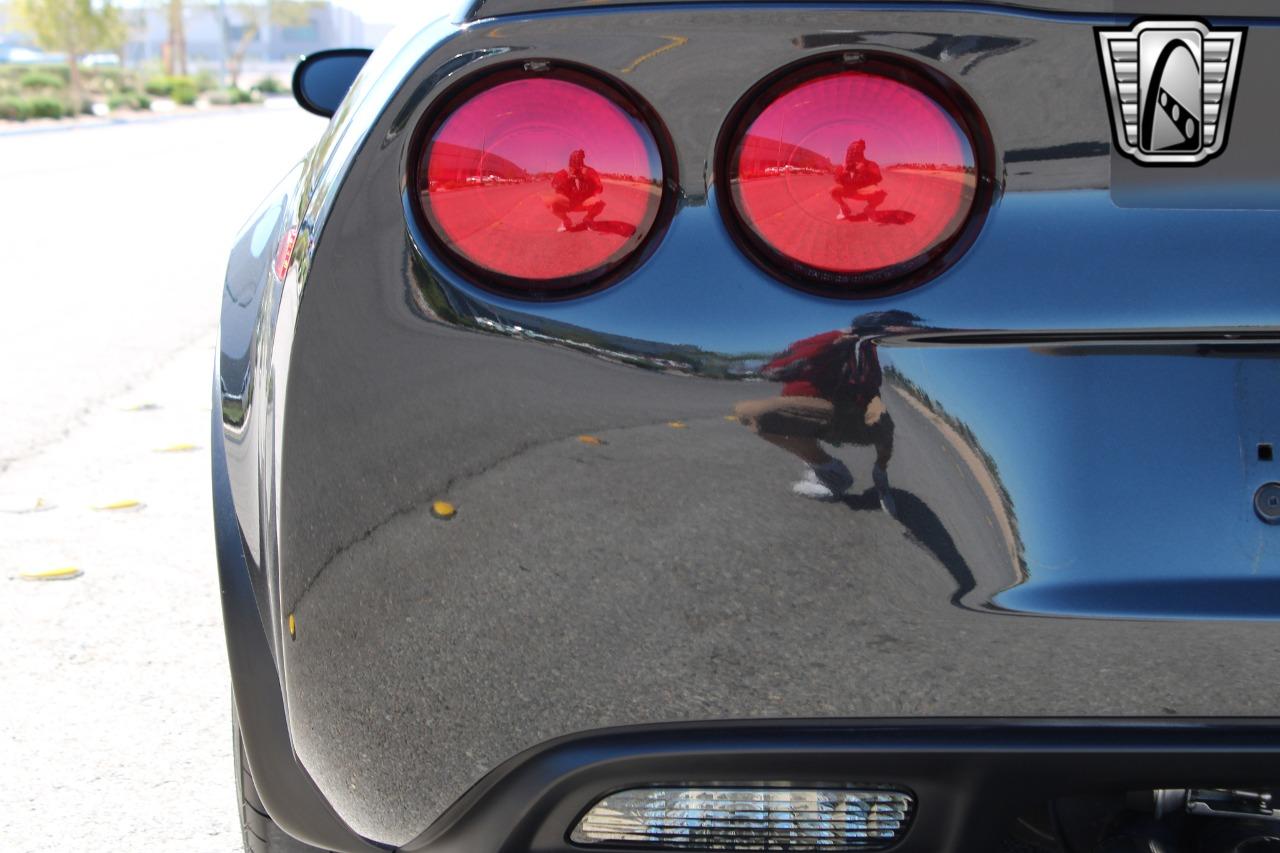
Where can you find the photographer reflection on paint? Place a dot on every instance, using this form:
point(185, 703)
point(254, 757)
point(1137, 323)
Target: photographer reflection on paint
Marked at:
point(831, 395)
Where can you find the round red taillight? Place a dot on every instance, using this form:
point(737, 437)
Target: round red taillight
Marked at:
point(541, 184)
point(851, 180)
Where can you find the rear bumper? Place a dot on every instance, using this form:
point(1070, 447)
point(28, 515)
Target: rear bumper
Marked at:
point(971, 778)
point(1069, 541)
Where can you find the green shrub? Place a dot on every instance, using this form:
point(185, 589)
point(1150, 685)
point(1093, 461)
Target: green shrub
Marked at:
point(14, 109)
point(63, 72)
point(206, 81)
point(41, 80)
point(113, 80)
point(184, 93)
point(270, 86)
point(129, 101)
point(183, 90)
point(46, 108)
point(106, 80)
point(158, 86)
point(230, 97)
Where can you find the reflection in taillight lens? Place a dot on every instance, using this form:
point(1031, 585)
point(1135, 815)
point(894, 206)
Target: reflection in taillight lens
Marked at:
point(541, 183)
point(852, 177)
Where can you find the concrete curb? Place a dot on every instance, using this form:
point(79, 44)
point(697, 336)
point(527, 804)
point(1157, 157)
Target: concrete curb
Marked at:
point(33, 127)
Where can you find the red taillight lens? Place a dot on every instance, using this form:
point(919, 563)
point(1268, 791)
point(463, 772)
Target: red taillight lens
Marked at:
point(851, 179)
point(541, 184)
point(284, 253)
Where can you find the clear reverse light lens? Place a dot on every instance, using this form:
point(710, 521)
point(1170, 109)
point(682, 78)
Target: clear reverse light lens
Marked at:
point(747, 819)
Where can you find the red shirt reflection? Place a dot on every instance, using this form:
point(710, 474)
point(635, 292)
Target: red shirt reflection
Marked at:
point(838, 366)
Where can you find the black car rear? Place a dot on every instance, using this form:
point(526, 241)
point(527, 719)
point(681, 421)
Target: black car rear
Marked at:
point(511, 554)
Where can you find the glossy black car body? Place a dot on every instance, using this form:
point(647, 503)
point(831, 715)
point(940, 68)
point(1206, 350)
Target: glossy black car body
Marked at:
point(1084, 414)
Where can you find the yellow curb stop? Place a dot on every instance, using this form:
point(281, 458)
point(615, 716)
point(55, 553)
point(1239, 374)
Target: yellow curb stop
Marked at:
point(590, 439)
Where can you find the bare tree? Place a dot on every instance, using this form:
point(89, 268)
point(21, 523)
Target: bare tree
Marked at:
point(175, 58)
point(253, 16)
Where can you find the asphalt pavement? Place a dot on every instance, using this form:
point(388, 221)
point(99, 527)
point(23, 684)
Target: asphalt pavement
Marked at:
point(113, 242)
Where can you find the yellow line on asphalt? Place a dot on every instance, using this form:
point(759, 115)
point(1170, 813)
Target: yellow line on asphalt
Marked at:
point(673, 43)
point(64, 574)
point(119, 505)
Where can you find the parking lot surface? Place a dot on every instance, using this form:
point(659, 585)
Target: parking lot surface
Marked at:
point(113, 242)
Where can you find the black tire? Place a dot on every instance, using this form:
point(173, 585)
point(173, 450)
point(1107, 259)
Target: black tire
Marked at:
point(260, 833)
